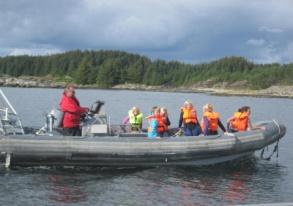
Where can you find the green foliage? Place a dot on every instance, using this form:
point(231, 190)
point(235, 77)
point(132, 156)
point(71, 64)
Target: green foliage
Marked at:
point(82, 72)
point(136, 71)
point(106, 75)
point(109, 68)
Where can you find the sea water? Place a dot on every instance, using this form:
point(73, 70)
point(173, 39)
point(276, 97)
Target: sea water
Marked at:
point(245, 182)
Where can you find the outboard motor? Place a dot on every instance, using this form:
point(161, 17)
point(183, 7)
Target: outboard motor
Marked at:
point(52, 119)
point(95, 124)
point(47, 129)
point(53, 123)
point(50, 122)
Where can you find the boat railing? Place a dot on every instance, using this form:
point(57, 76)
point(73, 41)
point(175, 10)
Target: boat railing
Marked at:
point(10, 122)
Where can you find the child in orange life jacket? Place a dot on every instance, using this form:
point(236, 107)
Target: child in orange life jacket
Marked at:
point(153, 123)
point(165, 122)
point(240, 121)
point(211, 121)
point(188, 117)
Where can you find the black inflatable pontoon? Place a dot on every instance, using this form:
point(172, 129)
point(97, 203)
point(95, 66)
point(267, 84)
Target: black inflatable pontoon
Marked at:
point(30, 150)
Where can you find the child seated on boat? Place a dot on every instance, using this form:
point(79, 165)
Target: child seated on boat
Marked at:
point(153, 123)
point(240, 121)
point(134, 118)
point(188, 117)
point(211, 121)
point(165, 121)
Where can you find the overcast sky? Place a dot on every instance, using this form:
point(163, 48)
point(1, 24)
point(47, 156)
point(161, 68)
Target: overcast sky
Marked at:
point(185, 30)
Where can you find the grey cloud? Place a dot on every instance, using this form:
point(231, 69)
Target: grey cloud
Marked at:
point(188, 30)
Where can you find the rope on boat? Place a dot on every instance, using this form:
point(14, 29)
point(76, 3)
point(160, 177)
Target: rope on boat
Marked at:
point(178, 133)
point(276, 148)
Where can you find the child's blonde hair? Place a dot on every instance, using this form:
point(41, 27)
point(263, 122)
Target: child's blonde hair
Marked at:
point(188, 102)
point(208, 107)
point(163, 110)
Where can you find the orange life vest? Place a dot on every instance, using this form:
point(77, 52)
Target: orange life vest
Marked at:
point(240, 121)
point(213, 118)
point(165, 122)
point(189, 116)
point(162, 127)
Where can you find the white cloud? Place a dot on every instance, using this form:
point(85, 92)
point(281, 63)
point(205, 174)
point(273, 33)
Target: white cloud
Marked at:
point(270, 30)
point(256, 42)
point(33, 51)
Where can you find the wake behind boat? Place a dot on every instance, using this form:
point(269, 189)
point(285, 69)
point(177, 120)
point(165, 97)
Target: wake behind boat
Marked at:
point(102, 144)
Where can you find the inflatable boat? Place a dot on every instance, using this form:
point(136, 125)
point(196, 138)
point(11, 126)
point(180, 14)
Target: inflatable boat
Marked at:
point(102, 144)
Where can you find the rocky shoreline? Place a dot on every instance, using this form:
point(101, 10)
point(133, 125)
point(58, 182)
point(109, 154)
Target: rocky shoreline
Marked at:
point(273, 91)
point(29, 81)
point(45, 82)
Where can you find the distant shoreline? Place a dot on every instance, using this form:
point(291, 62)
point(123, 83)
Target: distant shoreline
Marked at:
point(43, 82)
point(273, 91)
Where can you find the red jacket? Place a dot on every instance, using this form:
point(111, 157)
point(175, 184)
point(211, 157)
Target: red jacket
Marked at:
point(72, 111)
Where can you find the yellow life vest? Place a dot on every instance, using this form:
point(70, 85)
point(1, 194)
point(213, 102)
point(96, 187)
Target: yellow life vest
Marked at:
point(189, 116)
point(135, 121)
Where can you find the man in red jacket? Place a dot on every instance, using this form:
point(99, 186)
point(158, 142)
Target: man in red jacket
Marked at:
point(72, 112)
